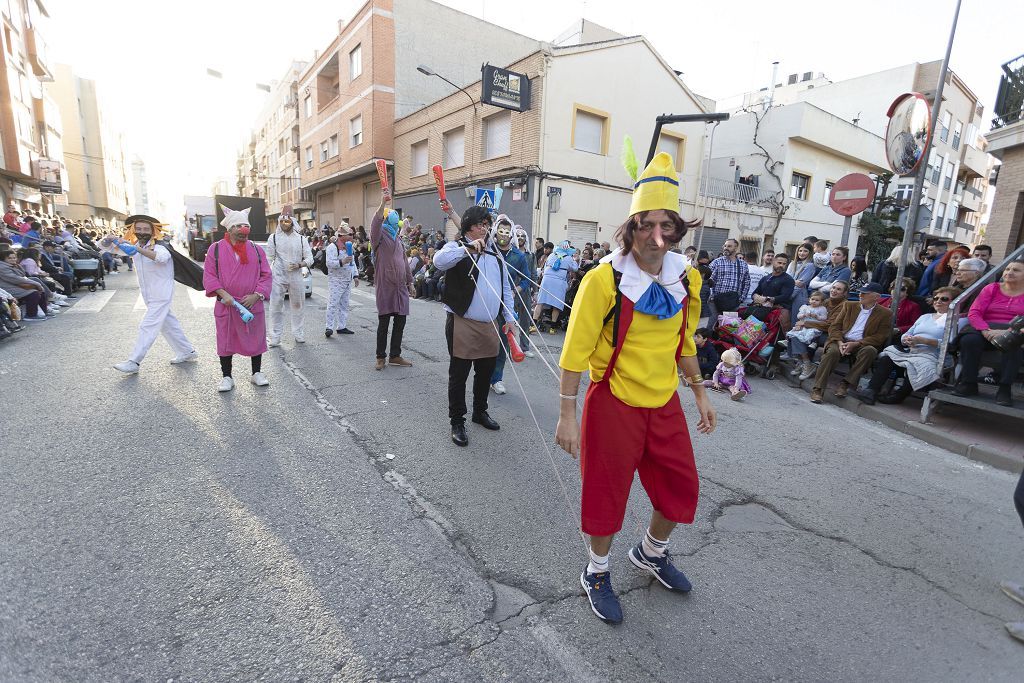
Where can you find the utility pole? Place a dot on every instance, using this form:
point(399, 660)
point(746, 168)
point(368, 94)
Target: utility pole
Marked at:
point(915, 197)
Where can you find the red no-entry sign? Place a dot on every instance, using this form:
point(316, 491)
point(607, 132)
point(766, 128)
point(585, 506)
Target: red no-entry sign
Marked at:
point(852, 194)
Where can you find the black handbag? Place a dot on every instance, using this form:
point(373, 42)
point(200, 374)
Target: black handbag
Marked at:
point(727, 301)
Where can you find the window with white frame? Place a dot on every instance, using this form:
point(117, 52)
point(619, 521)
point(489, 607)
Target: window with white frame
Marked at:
point(828, 192)
point(355, 62)
point(674, 146)
point(903, 192)
point(947, 180)
point(498, 135)
point(308, 106)
point(323, 151)
point(799, 186)
point(947, 121)
point(355, 131)
point(453, 144)
point(958, 130)
point(309, 157)
point(588, 132)
point(418, 152)
point(332, 146)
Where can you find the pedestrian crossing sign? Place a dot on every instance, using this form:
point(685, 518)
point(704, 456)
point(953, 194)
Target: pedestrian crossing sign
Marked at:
point(485, 198)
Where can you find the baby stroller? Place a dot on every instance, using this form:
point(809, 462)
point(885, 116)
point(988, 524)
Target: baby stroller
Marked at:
point(759, 354)
point(88, 273)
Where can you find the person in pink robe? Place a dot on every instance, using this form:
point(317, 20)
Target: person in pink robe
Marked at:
point(237, 270)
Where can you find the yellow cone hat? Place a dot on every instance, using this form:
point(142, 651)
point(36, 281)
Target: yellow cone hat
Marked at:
point(657, 187)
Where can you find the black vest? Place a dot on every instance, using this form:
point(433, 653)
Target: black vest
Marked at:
point(460, 282)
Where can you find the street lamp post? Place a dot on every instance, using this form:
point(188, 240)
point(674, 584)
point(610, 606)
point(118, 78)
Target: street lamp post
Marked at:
point(427, 71)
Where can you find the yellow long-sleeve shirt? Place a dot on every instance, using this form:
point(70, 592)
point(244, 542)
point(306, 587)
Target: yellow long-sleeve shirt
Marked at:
point(645, 374)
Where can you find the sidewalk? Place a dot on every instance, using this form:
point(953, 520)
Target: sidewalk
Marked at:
point(977, 435)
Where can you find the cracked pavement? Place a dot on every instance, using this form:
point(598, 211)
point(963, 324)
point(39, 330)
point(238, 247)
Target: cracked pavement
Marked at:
point(160, 531)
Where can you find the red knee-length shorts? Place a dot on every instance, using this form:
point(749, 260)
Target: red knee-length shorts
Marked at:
point(617, 440)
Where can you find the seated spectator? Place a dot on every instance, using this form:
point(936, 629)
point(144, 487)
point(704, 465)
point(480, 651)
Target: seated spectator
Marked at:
point(885, 272)
point(835, 270)
point(984, 253)
point(910, 309)
point(997, 304)
point(919, 362)
point(859, 274)
point(58, 268)
point(800, 350)
point(943, 272)
point(858, 332)
point(419, 276)
point(707, 354)
point(27, 291)
point(967, 273)
point(775, 290)
point(8, 304)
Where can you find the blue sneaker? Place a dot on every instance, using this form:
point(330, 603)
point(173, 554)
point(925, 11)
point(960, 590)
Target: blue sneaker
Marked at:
point(602, 598)
point(662, 568)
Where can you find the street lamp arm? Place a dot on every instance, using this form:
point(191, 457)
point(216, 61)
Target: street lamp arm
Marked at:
point(427, 71)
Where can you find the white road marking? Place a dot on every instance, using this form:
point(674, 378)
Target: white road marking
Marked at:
point(93, 302)
point(199, 299)
point(140, 304)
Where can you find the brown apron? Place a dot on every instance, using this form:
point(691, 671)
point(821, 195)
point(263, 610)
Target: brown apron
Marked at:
point(472, 339)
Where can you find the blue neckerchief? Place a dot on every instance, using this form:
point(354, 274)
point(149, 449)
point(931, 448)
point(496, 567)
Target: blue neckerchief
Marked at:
point(657, 301)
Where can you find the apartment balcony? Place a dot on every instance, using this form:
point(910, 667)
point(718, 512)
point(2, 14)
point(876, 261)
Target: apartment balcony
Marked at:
point(300, 200)
point(1009, 107)
point(36, 48)
point(975, 161)
point(738, 192)
point(972, 199)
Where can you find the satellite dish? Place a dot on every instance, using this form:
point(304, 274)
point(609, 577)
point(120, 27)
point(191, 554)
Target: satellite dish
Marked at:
point(909, 132)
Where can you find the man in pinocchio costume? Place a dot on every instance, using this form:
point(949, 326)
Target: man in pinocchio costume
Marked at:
point(632, 327)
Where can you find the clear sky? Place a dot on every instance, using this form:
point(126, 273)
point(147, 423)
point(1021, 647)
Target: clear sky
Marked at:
point(150, 57)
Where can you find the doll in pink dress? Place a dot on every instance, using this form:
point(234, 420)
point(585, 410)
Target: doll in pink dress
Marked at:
point(730, 374)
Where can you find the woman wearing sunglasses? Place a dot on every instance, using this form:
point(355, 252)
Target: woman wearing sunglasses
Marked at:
point(990, 314)
point(919, 362)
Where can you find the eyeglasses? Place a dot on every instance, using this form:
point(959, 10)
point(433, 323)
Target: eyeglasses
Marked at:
point(942, 298)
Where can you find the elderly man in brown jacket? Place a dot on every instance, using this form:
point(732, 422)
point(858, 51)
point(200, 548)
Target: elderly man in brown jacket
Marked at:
point(859, 331)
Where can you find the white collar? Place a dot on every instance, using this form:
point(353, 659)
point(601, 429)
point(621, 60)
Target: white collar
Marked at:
point(635, 282)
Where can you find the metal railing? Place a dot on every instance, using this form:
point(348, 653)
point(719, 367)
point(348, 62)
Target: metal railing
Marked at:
point(1010, 97)
point(954, 308)
point(738, 192)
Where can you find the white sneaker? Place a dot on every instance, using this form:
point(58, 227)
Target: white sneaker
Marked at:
point(40, 315)
point(52, 311)
point(260, 380)
point(808, 371)
point(273, 342)
point(529, 354)
point(498, 387)
point(226, 384)
point(192, 355)
point(129, 367)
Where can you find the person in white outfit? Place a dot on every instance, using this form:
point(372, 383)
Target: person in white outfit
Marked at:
point(155, 271)
point(288, 251)
point(341, 276)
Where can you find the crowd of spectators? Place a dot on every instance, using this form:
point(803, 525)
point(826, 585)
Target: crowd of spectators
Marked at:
point(37, 251)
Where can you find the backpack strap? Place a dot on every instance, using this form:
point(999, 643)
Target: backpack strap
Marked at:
point(216, 258)
point(616, 311)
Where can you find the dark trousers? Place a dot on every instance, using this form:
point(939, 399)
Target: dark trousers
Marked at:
point(396, 335)
point(32, 303)
point(884, 367)
point(972, 345)
point(225, 364)
point(861, 360)
point(458, 374)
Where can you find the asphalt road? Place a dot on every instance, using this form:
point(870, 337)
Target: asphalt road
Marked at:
point(326, 528)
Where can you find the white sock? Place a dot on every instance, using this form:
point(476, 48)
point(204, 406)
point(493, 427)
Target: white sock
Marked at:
point(652, 546)
point(598, 563)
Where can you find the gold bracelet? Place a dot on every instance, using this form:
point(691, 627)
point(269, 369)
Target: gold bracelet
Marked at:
point(695, 379)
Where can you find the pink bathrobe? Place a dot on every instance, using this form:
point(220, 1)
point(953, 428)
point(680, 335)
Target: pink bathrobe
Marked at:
point(234, 336)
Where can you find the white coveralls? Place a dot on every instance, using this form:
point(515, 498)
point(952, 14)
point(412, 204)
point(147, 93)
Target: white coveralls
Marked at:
point(156, 282)
point(339, 287)
point(284, 248)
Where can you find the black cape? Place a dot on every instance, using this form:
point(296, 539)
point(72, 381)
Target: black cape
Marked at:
point(186, 271)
